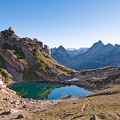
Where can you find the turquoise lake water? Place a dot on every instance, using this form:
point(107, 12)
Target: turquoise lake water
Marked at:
point(47, 91)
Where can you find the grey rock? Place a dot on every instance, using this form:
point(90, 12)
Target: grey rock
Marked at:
point(20, 116)
point(94, 117)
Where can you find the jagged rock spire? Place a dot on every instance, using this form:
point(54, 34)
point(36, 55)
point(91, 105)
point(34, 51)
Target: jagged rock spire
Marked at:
point(10, 29)
point(8, 33)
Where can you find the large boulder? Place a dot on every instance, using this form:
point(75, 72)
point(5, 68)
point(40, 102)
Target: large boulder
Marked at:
point(94, 117)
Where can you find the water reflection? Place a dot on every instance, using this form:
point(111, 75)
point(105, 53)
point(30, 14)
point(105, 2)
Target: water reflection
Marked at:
point(47, 91)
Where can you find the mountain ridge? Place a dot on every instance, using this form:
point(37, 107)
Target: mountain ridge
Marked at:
point(61, 55)
point(75, 52)
point(98, 55)
point(28, 59)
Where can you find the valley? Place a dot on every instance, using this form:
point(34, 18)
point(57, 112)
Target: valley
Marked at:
point(60, 60)
point(26, 60)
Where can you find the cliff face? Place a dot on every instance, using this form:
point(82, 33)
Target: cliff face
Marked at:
point(28, 59)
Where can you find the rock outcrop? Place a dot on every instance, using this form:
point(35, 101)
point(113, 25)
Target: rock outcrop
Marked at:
point(27, 58)
point(47, 50)
point(5, 77)
point(94, 117)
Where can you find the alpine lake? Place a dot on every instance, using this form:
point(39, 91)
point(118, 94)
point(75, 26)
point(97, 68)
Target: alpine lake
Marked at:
point(47, 91)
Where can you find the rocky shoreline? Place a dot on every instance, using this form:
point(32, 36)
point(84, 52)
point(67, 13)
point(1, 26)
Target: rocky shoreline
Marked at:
point(28, 60)
point(13, 106)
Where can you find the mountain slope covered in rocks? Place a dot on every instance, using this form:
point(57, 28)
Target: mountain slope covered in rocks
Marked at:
point(98, 78)
point(103, 104)
point(28, 59)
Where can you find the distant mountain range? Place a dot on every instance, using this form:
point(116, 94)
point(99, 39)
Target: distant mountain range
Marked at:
point(99, 55)
point(74, 52)
point(61, 55)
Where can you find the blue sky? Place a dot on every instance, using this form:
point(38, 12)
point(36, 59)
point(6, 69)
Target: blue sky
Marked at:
point(71, 23)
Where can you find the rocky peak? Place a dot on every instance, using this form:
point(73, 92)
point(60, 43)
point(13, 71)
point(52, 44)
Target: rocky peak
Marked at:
point(116, 45)
point(27, 58)
point(53, 50)
point(26, 45)
point(96, 47)
point(109, 45)
point(47, 50)
point(19, 53)
point(62, 50)
point(98, 44)
point(59, 51)
point(10, 29)
point(38, 42)
point(8, 33)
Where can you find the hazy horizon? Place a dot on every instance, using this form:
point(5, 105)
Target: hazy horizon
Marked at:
point(71, 23)
point(86, 47)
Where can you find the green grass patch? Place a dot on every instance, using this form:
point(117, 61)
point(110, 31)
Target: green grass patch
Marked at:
point(16, 50)
point(6, 77)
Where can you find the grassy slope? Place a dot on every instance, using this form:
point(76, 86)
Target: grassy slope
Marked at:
point(43, 63)
point(6, 77)
point(48, 68)
point(105, 104)
point(106, 107)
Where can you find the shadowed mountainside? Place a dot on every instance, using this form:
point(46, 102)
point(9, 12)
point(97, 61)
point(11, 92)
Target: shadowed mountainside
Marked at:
point(99, 55)
point(62, 56)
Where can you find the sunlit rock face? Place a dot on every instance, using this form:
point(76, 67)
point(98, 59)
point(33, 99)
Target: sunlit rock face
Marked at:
point(27, 58)
point(1, 82)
